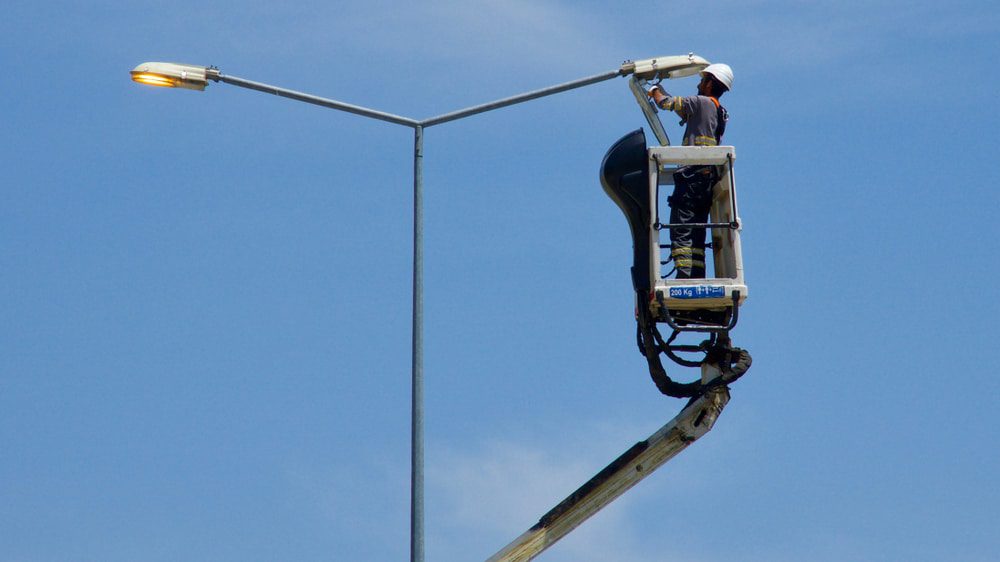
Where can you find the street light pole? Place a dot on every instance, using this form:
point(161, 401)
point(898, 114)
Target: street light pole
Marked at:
point(197, 77)
point(417, 356)
point(534, 94)
point(417, 350)
point(216, 75)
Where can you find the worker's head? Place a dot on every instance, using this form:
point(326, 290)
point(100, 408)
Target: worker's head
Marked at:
point(716, 80)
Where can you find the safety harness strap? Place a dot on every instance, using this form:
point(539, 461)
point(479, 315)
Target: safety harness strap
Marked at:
point(723, 116)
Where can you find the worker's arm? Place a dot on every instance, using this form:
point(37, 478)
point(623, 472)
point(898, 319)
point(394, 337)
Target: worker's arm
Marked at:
point(663, 100)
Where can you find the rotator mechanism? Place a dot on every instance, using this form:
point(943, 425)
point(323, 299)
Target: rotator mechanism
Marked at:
point(633, 176)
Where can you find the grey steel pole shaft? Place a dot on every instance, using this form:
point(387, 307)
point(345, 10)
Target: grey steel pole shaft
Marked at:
point(417, 394)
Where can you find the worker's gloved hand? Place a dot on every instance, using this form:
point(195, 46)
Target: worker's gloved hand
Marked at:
point(651, 92)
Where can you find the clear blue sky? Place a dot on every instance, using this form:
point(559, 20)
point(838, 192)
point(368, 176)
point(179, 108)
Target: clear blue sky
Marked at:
point(205, 345)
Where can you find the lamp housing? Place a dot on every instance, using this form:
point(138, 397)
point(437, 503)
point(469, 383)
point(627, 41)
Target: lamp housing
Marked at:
point(171, 75)
point(674, 66)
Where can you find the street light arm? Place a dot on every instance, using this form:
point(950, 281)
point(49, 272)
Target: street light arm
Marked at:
point(521, 97)
point(215, 75)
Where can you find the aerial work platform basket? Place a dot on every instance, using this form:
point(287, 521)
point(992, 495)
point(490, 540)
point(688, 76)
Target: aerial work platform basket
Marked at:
point(638, 179)
point(727, 288)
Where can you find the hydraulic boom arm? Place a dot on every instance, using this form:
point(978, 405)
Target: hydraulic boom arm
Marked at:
point(641, 460)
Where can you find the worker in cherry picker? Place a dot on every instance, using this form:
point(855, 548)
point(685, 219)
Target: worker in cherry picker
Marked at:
point(705, 121)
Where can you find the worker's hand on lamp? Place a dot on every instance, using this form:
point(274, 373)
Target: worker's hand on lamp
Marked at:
point(657, 94)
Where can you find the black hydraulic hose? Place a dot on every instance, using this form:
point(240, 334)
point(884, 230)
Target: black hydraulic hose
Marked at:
point(739, 367)
point(732, 369)
point(664, 383)
point(650, 348)
point(666, 348)
point(733, 362)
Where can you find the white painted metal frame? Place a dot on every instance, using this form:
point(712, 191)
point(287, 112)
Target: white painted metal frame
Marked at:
point(727, 252)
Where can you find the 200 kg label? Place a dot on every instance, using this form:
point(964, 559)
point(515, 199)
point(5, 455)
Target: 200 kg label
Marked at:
point(697, 292)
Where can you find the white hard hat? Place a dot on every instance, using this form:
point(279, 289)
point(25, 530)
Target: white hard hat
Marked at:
point(720, 72)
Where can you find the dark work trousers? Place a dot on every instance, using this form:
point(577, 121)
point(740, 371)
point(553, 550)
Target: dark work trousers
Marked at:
point(690, 203)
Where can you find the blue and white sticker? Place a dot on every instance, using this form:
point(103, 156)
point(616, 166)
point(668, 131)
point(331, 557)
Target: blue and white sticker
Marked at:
point(698, 292)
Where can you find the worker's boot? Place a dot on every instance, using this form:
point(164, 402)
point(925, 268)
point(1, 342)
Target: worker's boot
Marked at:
point(689, 262)
point(687, 245)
